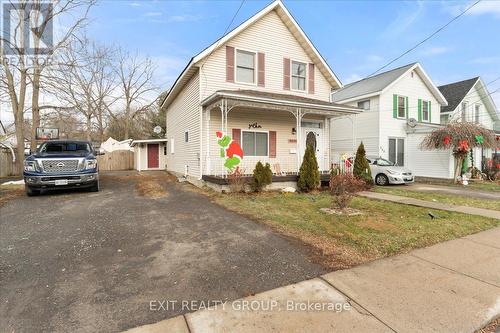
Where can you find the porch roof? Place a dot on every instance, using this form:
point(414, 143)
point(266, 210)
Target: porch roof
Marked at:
point(254, 98)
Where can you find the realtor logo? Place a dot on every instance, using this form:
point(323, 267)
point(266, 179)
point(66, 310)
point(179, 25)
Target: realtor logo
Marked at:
point(27, 28)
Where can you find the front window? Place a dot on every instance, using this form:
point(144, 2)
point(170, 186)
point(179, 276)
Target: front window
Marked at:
point(298, 76)
point(365, 105)
point(245, 66)
point(401, 107)
point(255, 143)
point(65, 147)
point(425, 110)
point(476, 113)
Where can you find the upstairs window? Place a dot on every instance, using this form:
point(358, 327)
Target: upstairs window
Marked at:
point(425, 110)
point(365, 105)
point(477, 109)
point(401, 107)
point(464, 111)
point(245, 66)
point(298, 76)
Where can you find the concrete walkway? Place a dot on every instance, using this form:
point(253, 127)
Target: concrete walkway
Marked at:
point(430, 204)
point(450, 287)
point(458, 190)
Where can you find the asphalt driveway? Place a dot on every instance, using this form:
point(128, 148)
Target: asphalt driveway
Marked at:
point(94, 262)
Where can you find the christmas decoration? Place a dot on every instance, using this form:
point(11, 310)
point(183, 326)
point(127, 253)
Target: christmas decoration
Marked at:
point(463, 145)
point(446, 140)
point(230, 150)
point(479, 139)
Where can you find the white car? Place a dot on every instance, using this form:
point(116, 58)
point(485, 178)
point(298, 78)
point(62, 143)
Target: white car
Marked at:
point(385, 172)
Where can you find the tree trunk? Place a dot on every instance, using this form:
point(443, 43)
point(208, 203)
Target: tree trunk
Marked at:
point(35, 110)
point(89, 127)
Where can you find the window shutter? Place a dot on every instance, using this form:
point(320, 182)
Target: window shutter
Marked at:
point(406, 107)
point(229, 63)
point(395, 106)
point(429, 108)
point(261, 74)
point(272, 144)
point(311, 78)
point(419, 109)
point(237, 135)
point(286, 73)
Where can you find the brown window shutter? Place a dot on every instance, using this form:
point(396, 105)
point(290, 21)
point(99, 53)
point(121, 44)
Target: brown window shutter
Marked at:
point(229, 63)
point(286, 73)
point(261, 75)
point(272, 144)
point(311, 78)
point(237, 135)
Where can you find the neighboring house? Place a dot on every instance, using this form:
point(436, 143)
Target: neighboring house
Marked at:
point(266, 86)
point(111, 145)
point(469, 100)
point(400, 107)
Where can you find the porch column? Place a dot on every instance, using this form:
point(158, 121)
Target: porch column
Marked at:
point(298, 117)
point(207, 153)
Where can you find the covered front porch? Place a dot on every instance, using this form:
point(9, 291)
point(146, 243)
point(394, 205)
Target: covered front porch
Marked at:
point(271, 128)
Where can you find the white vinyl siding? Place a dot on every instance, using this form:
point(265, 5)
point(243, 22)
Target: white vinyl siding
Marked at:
point(183, 121)
point(269, 36)
point(428, 163)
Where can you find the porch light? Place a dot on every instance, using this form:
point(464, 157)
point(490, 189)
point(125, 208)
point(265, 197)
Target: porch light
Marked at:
point(294, 131)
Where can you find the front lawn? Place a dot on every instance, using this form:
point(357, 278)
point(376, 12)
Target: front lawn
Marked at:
point(441, 197)
point(339, 241)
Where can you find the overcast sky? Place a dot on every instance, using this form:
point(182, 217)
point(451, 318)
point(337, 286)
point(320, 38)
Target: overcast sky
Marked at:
point(355, 37)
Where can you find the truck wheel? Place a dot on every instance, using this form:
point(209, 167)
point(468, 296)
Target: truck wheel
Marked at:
point(30, 192)
point(95, 187)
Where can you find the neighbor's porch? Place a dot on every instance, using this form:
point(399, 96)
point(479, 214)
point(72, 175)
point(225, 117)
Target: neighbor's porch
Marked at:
point(271, 128)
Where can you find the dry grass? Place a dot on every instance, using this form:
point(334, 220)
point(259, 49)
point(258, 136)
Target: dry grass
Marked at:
point(150, 188)
point(340, 242)
point(9, 192)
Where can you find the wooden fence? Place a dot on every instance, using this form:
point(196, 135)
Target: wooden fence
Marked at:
point(116, 160)
point(7, 168)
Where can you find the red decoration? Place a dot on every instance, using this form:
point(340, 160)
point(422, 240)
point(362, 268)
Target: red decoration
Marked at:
point(219, 134)
point(446, 140)
point(463, 145)
point(234, 149)
point(498, 166)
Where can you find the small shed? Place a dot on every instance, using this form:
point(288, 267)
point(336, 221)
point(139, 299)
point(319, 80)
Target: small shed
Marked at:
point(150, 154)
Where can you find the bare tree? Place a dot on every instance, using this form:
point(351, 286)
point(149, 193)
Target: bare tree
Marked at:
point(84, 81)
point(135, 88)
point(22, 74)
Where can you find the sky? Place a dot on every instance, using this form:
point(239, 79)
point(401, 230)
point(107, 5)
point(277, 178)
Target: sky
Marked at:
point(355, 37)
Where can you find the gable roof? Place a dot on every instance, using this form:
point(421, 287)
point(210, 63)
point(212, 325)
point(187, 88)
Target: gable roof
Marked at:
point(455, 92)
point(291, 24)
point(458, 90)
point(375, 85)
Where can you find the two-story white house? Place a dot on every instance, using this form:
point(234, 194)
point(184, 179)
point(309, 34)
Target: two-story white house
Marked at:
point(265, 85)
point(469, 100)
point(400, 107)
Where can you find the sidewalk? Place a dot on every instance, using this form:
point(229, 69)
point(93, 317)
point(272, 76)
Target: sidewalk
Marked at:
point(449, 287)
point(463, 191)
point(434, 205)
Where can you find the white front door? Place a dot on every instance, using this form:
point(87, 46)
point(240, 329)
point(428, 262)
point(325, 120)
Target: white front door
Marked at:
point(313, 137)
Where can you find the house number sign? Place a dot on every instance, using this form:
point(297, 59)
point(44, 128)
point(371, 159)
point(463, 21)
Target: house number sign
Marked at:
point(254, 125)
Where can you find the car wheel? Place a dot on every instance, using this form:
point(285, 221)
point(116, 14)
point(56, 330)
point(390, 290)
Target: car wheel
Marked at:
point(30, 192)
point(95, 187)
point(382, 180)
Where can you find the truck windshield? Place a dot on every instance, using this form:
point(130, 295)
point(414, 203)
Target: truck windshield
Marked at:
point(65, 147)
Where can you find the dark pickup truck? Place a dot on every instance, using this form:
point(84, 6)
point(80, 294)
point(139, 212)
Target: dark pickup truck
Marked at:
point(59, 164)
